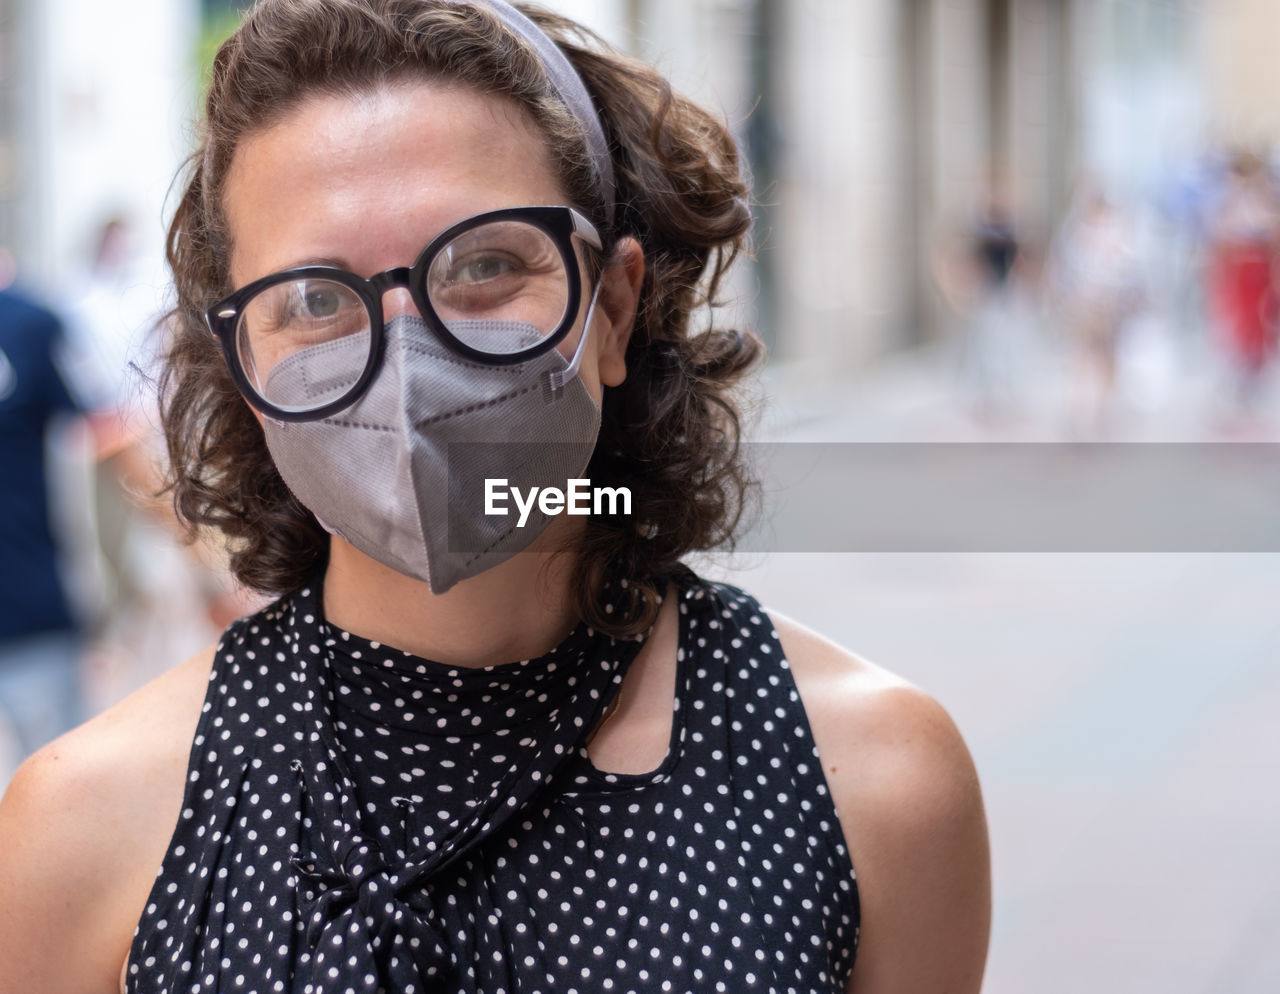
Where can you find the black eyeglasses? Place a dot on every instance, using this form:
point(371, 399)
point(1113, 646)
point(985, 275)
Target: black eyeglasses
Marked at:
point(497, 288)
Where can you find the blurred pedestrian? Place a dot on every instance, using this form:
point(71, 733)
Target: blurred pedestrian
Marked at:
point(1244, 235)
point(154, 597)
point(40, 642)
point(1098, 287)
point(980, 275)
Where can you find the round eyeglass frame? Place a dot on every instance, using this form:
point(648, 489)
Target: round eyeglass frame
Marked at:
point(561, 223)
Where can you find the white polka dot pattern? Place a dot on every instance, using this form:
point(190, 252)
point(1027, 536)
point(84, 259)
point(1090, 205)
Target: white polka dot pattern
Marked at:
point(361, 821)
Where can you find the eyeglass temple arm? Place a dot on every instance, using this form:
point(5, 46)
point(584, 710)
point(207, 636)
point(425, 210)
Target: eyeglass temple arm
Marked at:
point(585, 230)
point(558, 379)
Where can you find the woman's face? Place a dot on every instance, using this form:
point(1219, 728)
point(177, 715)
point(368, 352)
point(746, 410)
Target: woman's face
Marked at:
point(365, 182)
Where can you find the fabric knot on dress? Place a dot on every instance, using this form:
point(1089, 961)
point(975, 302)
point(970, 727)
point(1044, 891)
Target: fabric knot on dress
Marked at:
point(369, 928)
point(368, 935)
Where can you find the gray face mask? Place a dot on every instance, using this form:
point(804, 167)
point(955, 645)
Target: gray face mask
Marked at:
point(400, 474)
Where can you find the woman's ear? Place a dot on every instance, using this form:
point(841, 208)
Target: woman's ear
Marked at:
point(616, 306)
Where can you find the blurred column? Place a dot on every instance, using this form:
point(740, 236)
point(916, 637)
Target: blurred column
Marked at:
point(957, 132)
point(1239, 54)
point(846, 266)
point(763, 150)
point(611, 19)
point(9, 143)
point(1040, 149)
point(1001, 111)
point(106, 98)
point(26, 109)
point(961, 127)
point(711, 50)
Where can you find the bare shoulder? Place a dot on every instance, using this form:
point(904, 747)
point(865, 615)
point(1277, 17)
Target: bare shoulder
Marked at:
point(909, 802)
point(860, 711)
point(84, 826)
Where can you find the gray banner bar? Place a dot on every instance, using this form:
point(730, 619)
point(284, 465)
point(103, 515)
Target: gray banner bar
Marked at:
point(1007, 497)
point(960, 497)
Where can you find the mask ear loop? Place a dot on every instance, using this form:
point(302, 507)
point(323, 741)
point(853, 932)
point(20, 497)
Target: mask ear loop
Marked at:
point(558, 379)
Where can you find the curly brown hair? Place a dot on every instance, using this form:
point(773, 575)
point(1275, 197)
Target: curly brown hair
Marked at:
point(670, 432)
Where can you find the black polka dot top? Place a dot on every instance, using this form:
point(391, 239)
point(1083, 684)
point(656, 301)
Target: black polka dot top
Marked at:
point(358, 820)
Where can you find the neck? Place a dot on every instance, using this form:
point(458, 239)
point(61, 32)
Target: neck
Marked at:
point(517, 610)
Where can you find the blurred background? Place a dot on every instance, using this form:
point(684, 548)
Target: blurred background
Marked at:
point(978, 221)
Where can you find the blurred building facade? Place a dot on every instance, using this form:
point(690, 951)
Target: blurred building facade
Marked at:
point(1242, 71)
point(96, 110)
point(872, 127)
point(875, 128)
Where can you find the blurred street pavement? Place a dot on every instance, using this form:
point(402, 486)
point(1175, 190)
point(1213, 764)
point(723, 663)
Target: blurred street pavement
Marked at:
point(1123, 709)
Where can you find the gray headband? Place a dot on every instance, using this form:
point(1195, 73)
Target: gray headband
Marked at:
point(568, 86)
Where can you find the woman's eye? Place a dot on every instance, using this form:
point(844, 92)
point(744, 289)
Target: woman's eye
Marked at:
point(478, 269)
point(309, 307)
point(320, 302)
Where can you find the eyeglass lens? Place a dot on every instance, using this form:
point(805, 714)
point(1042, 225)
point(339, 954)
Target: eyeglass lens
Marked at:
point(500, 288)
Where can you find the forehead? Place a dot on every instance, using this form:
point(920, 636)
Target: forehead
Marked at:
point(367, 179)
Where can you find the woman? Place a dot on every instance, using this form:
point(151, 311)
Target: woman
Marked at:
point(1244, 241)
point(581, 767)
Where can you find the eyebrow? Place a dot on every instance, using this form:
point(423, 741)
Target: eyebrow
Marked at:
point(330, 261)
